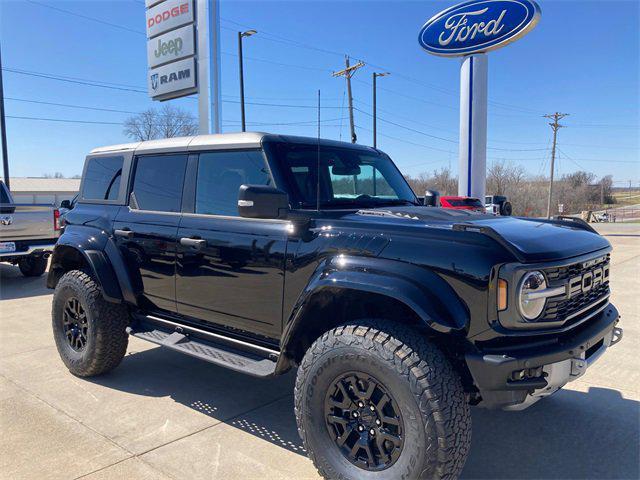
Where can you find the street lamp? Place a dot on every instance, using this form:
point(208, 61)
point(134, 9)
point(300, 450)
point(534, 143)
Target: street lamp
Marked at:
point(375, 76)
point(241, 35)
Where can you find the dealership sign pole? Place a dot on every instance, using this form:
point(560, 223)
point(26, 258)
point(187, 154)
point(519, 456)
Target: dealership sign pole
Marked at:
point(183, 55)
point(469, 30)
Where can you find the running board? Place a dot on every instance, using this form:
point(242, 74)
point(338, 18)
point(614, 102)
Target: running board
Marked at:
point(224, 351)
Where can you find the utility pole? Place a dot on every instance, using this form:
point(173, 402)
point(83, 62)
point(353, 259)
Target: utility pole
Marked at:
point(374, 76)
point(554, 126)
point(348, 73)
point(3, 120)
point(241, 35)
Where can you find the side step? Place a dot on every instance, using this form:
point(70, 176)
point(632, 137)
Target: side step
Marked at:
point(226, 352)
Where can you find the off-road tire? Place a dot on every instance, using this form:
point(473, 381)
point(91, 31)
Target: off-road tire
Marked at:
point(506, 209)
point(107, 338)
point(436, 416)
point(33, 265)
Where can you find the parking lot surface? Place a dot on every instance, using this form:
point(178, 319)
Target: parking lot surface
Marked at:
point(164, 415)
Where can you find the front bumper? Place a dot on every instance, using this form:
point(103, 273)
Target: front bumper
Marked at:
point(518, 377)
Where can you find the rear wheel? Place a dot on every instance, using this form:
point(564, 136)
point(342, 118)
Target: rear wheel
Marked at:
point(89, 331)
point(375, 400)
point(33, 265)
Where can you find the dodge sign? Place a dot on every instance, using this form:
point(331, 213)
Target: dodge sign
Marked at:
point(168, 15)
point(478, 26)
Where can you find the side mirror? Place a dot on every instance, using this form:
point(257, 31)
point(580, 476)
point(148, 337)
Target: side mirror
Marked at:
point(261, 201)
point(431, 198)
point(65, 204)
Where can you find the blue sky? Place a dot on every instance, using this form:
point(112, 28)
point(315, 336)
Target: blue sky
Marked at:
point(582, 59)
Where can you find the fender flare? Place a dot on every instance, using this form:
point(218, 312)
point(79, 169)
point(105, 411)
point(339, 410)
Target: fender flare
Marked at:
point(103, 258)
point(427, 294)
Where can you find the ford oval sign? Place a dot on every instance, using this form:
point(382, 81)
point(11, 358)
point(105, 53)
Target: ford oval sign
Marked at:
point(478, 26)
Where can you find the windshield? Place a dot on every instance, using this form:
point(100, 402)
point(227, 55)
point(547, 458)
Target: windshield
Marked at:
point(349, 177)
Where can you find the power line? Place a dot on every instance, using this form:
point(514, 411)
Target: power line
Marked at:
point(86, 17)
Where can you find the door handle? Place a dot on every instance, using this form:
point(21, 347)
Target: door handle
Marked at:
point(196, 243)
point(125, 233)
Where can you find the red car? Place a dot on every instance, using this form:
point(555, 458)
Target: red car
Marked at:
point(462, 203)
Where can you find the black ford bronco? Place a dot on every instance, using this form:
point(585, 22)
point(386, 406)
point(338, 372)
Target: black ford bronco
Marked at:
point(261, 253)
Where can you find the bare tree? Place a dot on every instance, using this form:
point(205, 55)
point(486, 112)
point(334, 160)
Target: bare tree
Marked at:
point(168, 122)
point(441, 180)
point(175, 122)
point(142, 126)
point(53, 175)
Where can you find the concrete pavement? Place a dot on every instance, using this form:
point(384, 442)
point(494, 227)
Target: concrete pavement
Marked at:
point(168, 416)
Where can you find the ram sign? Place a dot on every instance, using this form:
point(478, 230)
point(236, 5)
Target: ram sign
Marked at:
point(171, 49)
point(173, 80)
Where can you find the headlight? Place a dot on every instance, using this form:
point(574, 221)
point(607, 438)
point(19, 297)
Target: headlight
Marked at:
point(531, 297)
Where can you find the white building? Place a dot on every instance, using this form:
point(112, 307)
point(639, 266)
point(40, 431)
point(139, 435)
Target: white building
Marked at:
point(43, 190)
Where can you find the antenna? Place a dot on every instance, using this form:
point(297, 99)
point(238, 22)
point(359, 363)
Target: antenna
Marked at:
point(318, 170)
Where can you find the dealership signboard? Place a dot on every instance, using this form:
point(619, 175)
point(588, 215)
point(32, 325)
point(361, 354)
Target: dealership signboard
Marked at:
point(171, 46)
point(171, 49)
point(470, 30)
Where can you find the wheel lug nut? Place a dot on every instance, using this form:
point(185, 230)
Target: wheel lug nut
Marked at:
point(372, 408)
point(372, 432)
point(360, 404)
point(360, 428)
point(378, 422)
point(355, 414)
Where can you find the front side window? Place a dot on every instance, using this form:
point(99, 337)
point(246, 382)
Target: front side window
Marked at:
point(158, 181)
point(348, 177)
point(102, 178)
point(220, 175)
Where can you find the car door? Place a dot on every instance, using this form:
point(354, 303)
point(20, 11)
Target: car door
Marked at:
point(146, 230)
point(230, 270)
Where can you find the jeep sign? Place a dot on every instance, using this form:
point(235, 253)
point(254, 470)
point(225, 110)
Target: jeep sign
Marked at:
point(168, 15)
point(171, 46)
point(173, 80)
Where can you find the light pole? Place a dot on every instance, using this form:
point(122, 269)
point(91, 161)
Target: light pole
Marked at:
point(241, 35)
point(375, 120)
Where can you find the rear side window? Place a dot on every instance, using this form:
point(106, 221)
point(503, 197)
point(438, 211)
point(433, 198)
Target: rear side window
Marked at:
point(102, 178)
point(4, 196)
point(220, 175)
point(157, 183)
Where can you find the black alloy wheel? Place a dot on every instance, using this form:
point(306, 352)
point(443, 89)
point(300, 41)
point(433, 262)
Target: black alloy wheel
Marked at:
point(75, 324)
point(364, 421)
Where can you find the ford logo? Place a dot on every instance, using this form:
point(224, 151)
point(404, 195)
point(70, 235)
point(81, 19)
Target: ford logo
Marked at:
point(478, 26)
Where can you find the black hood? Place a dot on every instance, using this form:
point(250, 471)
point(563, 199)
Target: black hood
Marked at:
point(531, 240)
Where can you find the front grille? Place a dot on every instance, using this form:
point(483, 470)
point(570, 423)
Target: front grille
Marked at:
point(561, 308)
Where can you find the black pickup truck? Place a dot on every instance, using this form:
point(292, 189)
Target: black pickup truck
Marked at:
point(262, 252)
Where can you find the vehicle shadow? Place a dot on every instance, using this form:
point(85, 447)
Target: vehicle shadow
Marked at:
point(570, 435)
point(210, 389)
point(14, 285)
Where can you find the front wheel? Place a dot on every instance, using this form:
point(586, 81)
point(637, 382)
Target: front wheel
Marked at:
point(375, 400)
